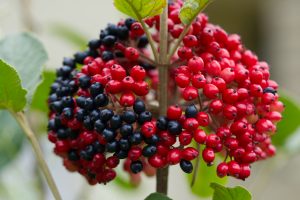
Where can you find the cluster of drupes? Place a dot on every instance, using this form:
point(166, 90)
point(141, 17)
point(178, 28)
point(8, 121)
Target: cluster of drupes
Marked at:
point(221, 98)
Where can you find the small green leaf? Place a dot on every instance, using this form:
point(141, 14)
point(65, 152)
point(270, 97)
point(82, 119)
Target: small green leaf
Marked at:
point(191, 9)
point(204, 177)
point(27, 55)
point(157, 196)
point(39, 100)
point(290, 122)
point(226, 193)
point(123, 183)
point(69, 34)
point(140, 9)
point(12, 95)
point(11, 138)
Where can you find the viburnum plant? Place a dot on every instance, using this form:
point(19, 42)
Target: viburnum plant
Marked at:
point(152, 89)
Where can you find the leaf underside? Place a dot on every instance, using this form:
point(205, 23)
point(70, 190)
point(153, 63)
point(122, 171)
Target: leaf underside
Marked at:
point(140, 9)
point(191, 9)
point(226, 193)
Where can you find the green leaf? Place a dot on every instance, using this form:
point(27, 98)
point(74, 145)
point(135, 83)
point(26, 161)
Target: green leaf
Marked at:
point(290, 122)
point(191, 9)
point(205, 176)
point(123, 183)
point(157, 196)
point(39, 100)
point(69, 34)
point(11, 138)
point(27, 55)
point(226, 193)
point(12, 95)
point(140, 9)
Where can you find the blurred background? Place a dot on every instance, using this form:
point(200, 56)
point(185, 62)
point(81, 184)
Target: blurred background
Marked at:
point(271, 28)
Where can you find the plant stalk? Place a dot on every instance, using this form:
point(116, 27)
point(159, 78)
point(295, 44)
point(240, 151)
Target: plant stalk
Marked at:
point(162, 174)
point(21, 119)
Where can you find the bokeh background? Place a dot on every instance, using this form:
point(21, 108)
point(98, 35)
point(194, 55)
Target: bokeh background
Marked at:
point(270, 27)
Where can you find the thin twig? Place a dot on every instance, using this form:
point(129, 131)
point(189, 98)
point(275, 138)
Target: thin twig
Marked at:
point(196, 169)
point(22, 120)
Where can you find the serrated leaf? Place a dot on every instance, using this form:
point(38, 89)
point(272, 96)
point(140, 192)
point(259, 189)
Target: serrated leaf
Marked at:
point(205, 175)
point(140, 9)
point(11, 138)
point(290, 122)
point(39, 100)
point(12, 95)
point(190, 10)
point(27, 55)
point(157, 196)
point(227, 193)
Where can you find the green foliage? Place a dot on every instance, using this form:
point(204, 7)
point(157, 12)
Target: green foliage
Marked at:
point(27, 55)
point(12, 95)
point(190, 10)
point(157, 196)
point(123, 183)
point(290, 122)
point(140, 9)
point(39, 100)
point(69, 34)
point(11, 138)
point(226, 193)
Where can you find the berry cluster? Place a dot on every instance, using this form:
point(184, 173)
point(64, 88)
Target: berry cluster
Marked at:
point(101, 99)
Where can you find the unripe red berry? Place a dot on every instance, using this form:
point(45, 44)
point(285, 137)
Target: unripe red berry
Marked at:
point(222, 169)
point(234, 169)
point(190, 93)
point(174, 156)
point(196, 64)
point(138, 73)
point(208, 155)
point(134, 153)
point(189, 153)
point(131, 54)
point(210, 91)
point(198, 81)
point(200, 136)
point(190, 41)
point(203, 119)
point(174, 112)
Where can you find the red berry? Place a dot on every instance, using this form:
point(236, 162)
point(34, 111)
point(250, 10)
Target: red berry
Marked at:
point(118, 72)
point(185, 53)
point(138, 73)
point(190, 41)
point(222, 169)
point(198, 81)
point(189, 153)
point(131, 54)
point(135, 153)
point(190, 93)
point(182, 80)
point(234, 168)
point(190, 124)
point(174, 156)
point(200, 136)
point(156, 161)
point(127, 99)
point(137, 29)
point(148, 129)
point(210, 91)
point(215, 106)
point(203, 119)
point(185, 138)
point(208, 155)
point(140, 88)
point(213, 68)
point(174, 112)
point(212, 140)
point(127, 83)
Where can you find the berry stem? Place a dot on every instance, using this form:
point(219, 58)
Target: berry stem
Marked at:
point(179, 40)
point(162, 174)
point(196, 169)
point(22, 120)
point(147, 32)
